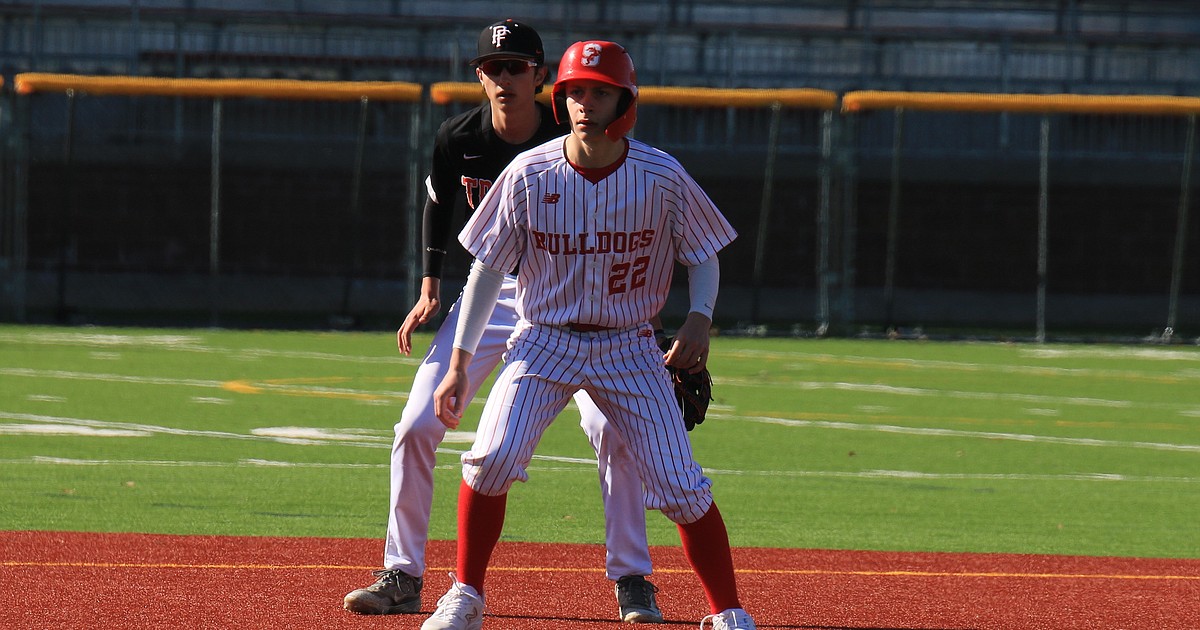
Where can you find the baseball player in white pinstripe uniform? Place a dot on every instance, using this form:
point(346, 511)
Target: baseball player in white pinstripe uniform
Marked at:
point(593, 224)
point(470, 151)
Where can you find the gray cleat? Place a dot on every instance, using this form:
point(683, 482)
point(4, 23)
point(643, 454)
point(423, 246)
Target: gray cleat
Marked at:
point(393, 592)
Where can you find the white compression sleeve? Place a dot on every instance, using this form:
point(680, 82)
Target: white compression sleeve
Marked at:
point(478, 301)
point(704, 280)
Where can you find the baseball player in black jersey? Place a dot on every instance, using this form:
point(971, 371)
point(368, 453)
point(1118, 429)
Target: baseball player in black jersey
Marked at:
point(468, 154)
point(470, 151)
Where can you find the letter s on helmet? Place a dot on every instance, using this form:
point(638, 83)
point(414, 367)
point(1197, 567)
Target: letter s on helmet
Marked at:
point(606, 62)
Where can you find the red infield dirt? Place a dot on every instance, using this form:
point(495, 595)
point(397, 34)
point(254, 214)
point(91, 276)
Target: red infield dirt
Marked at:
point(87, 580)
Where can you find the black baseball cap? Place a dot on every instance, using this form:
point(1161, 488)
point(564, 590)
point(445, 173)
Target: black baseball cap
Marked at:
point(510, 39)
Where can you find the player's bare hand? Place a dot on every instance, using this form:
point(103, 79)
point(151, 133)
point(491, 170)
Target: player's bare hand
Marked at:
point(690, 349)
point(450, 397)
point(426, 308)
point(424, 311)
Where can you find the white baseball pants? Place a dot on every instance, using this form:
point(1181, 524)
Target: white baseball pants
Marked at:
point(623, 373)
point(419, 432)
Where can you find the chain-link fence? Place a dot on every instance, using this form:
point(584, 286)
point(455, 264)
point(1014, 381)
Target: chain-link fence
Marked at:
point(211, 207)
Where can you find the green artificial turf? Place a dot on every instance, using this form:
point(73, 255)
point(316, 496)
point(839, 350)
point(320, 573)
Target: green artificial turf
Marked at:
point(842, 444)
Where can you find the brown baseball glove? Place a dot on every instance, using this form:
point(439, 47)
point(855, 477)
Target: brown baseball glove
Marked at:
point(692, 391)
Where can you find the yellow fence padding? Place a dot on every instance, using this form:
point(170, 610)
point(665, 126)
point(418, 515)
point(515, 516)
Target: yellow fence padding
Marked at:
point(448, 92)
point(700, 97)
point(1021, 103)
point(718, 97)
point(29, 83)
point(466, 92)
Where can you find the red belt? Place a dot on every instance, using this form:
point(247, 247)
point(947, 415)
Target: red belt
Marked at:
point(586, 327)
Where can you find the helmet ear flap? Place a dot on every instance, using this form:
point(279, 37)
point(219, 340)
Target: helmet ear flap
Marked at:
point(624, 102)
point(626, 118)
point(558, 104)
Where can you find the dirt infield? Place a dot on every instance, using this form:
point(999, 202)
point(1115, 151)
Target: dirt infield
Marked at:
point(86, 580)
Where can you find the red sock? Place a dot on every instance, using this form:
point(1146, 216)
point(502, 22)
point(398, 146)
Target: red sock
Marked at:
point(706, 546)
point(480, 520)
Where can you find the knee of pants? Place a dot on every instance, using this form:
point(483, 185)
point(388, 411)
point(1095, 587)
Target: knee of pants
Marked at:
point(686, 514)
point(682, 507)
point(489, 476)
point(419, 425)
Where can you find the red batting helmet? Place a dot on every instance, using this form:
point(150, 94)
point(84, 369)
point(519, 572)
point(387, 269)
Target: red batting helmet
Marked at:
point(605, 62)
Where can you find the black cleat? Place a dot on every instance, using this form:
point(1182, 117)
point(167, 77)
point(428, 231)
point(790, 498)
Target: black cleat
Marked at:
point(635, 596)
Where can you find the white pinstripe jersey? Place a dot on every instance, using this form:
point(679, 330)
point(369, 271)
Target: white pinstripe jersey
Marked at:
point(594, 253)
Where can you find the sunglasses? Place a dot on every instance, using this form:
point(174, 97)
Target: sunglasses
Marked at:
point(494, 67)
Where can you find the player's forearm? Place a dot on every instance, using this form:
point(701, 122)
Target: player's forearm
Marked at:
point(695, 327)
point(435, 234)
point(431, 288)
point(459, 360)
point(478, 301)
point(704, 282)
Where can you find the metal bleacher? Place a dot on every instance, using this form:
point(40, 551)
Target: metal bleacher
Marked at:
point(991, 45)
point(138, 168)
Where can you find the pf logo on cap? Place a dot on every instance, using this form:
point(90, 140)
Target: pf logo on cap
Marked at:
point(499, 32)
point(591, 55)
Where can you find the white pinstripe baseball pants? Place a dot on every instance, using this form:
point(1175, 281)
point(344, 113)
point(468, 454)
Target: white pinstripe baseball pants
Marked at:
point(419, 432)
point(622, 371)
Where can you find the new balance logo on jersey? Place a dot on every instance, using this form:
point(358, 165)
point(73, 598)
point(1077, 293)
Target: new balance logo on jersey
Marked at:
point(551, 198)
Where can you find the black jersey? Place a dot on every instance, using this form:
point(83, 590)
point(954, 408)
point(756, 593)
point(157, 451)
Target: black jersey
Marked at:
point(467, 157)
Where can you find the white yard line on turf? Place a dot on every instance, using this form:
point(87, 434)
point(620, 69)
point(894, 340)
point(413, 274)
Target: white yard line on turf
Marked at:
point(185, 343)
point(540, 467)
point(958, 433)
point(875, 388)
point(353, 440)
